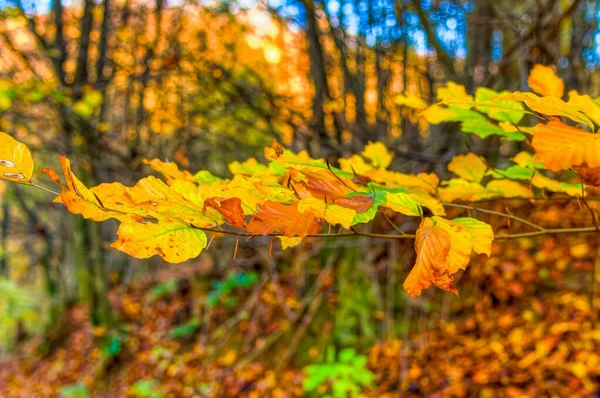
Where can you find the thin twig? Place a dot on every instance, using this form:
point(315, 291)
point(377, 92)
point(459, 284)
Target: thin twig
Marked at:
point(496, 213)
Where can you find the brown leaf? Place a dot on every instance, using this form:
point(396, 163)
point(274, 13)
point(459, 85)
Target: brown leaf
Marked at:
point(360, 203)
point(588, 175)
point(360, 179)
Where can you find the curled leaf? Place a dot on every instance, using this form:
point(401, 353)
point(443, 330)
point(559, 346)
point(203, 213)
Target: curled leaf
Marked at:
point(443, 247)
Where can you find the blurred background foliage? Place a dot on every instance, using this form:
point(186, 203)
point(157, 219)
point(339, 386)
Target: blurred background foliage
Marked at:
point(204, 83)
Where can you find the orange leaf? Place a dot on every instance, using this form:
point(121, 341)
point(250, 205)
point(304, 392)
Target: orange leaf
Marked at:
point(560, 146)
point(90, 203)
point(443, 247)
point(231, 209)
point(544, 81)
point(277, 217)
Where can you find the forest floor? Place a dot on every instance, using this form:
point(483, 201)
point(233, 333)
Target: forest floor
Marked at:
point(526, 327)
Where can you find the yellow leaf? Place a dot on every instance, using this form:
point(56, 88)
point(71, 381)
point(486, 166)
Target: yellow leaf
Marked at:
point(426, 200)
point(470, 167)
point(16, 163)
point(443, 247)
point(393, 179)
point(507, 189)
point(169, 170)
point(287, 243)
point(559, 146)
point(91, 203)
point(550, 106)
point(544, 81)
point(436, 114)
point(543, 182)
point(175, 241)
point(411, 101)
point(523, 159)
point(355, 164)
point(456, 94)
point(402, 203)
point(378, 154)
point(586, 105)
point(481, 233)
point(331, 213)
point(249, 167)
point(458, 188)
point(158, 197)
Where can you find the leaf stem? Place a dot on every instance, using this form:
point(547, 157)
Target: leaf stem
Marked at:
point(33, 184)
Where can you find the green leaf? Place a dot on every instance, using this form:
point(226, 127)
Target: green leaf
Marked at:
point(503, 111)
point(206, 177)
point(483, 129)
point(513, 173)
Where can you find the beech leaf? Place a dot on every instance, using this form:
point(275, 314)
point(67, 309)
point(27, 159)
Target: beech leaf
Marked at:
point(16, 163)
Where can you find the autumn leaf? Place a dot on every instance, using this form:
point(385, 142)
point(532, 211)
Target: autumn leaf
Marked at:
point(437, 114)
point(459, 188)
point(470, 167)
point(506, 188)
point(275, 217)
point(248, 167)
point(322, 185)
point(544, 81)
point(550, 106)
point(162, 199)
point(393, 179)
point(509, 112)
point(410, 101)
point(443, 247)
point(481, 233)
point(586, 105)
point(359, 203)
point(455, 94)
point(274, 151)
point(355, 164)
point(542, 182)
point(424, 199)
point(378, 154)
point(588, 175)
point(173, 240)
point(231, 209)
point(332, 213)
point(16, 163)
point(91, 203)
point(402, 203)
point(169, 170)
point(559, 146)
